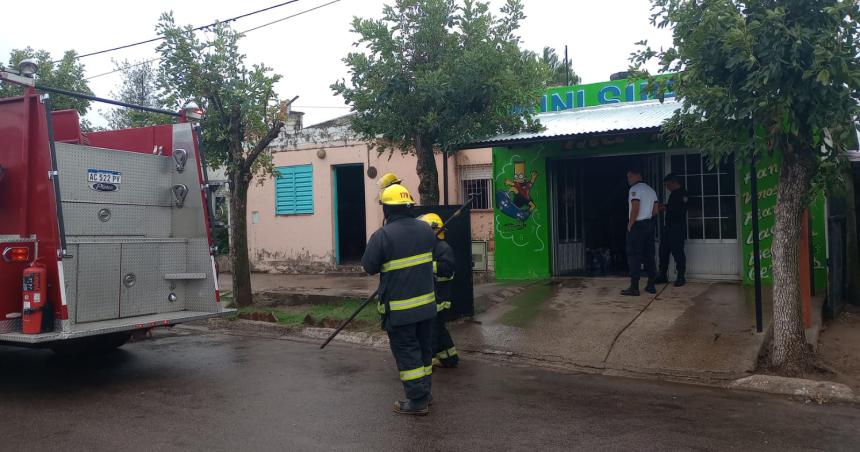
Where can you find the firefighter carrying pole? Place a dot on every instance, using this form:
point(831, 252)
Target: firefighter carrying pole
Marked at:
point(440, 233)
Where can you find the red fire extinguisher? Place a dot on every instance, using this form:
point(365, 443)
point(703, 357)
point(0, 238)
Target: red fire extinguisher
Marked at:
point(35, 297)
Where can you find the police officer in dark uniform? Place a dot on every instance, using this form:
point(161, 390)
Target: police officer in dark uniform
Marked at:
point(444, 352)
point(674, 231)
point(402, 252)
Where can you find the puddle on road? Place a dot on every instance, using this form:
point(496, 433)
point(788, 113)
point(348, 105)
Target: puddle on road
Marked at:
point(526, 305)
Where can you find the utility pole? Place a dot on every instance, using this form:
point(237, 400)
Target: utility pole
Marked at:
point(566, 66)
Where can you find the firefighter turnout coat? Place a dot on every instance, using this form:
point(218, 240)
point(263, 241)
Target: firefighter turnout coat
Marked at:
point(402, 252)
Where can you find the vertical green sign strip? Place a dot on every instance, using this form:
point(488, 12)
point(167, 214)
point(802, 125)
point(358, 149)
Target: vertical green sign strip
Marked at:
point(768, 179)
point(521, 219)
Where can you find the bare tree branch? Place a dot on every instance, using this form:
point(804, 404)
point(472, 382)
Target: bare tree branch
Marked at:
point(261, 146)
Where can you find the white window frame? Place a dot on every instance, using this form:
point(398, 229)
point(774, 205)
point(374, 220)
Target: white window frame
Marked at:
point(738, 223)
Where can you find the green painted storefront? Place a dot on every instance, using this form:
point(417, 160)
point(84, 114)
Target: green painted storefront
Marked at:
point(526, 244)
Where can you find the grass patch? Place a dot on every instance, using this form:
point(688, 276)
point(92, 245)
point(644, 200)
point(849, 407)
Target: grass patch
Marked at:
point(226, 298)
point(294, 316)
point(526, 304)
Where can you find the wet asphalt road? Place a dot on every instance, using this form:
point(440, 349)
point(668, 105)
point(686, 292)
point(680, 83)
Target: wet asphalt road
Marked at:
point(187, 390)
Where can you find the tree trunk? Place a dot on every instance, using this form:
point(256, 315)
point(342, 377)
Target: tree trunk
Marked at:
point(428, 188)
point(239, 183)
point(791, 354)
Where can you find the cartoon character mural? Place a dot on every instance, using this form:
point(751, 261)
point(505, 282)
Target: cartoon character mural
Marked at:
point(517, 202)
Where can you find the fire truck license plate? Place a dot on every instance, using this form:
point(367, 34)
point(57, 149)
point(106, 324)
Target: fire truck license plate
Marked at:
point(104, 180)
point(108, 177)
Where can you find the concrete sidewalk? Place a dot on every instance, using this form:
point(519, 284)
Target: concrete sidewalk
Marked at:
point(703, 330)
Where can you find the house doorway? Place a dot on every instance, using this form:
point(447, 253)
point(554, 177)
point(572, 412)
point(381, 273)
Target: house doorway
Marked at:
point(350, 214)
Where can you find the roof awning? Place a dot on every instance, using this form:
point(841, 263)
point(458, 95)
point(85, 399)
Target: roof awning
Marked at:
point(613, 118)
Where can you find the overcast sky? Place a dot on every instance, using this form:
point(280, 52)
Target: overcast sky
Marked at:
point(308, 49)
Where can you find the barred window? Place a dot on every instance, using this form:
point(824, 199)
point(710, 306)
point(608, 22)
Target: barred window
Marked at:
point(479, 190)
point(477, 182)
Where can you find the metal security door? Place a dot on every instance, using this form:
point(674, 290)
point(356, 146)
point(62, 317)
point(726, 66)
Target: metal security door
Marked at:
point(458, 234)
point(566, 192)
point(652, 172)
point(837, 274)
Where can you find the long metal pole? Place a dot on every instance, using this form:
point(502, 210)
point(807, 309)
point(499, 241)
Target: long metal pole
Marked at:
point(104, 100)
point(55, 176)
point(350, 319)
point(759, 320)
point(566, 66)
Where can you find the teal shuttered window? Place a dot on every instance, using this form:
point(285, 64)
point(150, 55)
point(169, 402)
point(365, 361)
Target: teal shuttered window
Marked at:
point(294, 190)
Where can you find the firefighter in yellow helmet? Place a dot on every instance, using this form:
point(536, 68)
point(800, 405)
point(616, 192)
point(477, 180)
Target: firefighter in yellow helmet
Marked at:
point(444, 352)
point(402, 253)
point(387, 180)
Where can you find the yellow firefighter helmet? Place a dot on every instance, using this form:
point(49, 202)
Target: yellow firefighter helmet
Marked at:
point(435, 222)
point(396, 195)
point(387, 180)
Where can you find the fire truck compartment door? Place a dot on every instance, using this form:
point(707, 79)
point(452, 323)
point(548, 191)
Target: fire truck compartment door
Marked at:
point(144, 290)
point(97, 285)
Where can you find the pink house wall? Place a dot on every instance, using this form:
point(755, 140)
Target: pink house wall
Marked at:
point(305, 243)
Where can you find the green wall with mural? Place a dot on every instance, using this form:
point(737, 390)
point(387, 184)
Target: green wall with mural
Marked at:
point(767, 170)
point(521, 219)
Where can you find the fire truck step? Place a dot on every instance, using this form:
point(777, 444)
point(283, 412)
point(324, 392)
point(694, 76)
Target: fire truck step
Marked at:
point(184, 276)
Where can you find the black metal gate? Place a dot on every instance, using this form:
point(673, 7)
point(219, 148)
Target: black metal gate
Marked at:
point(459, 236)
point(837, 285)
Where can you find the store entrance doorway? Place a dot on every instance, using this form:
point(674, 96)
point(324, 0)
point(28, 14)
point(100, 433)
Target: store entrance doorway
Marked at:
point(590, 212)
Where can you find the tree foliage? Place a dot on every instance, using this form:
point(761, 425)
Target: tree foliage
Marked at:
point(434, 74)
point(766, 77)
point(561, 74)
point(236, 98)
point(241, 117)
point(67, 74)
point(139, 87)
point(788, 69)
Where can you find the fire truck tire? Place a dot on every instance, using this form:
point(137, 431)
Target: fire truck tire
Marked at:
point(92, 345)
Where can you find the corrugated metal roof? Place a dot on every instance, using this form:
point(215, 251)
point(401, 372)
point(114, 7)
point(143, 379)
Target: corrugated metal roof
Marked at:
point(601, 119)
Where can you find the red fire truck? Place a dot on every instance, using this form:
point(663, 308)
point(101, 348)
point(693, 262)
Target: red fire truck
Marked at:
point(102, 234)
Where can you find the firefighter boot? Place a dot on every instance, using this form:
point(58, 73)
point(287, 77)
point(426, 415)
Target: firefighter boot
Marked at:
point(681, 280)
point(662, 278)
point(412, 407)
